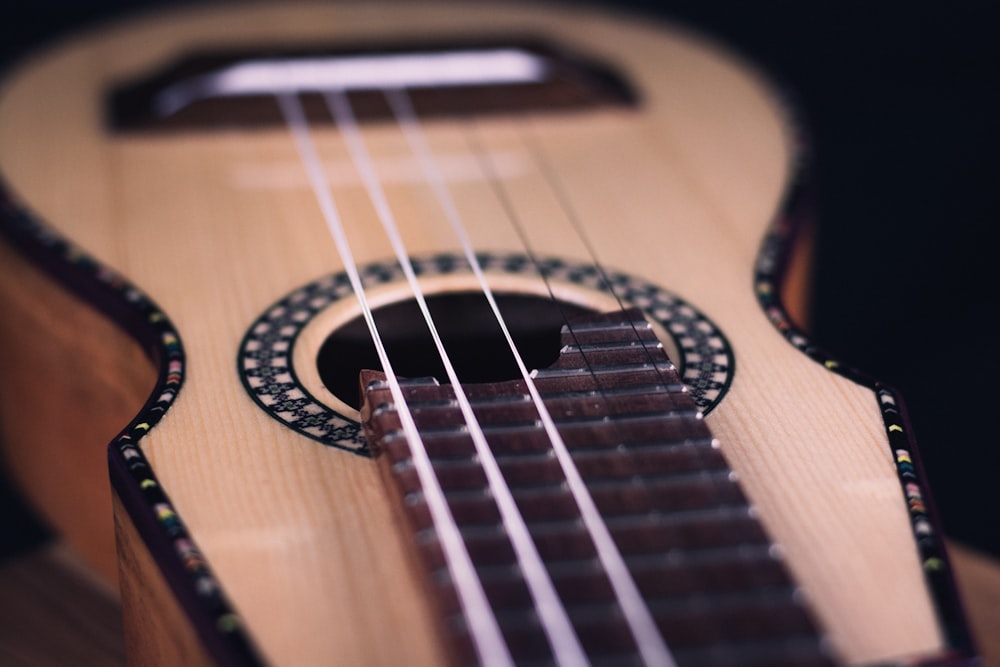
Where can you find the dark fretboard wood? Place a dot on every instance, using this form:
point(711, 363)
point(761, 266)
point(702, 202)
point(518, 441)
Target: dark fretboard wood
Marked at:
point(701, 559)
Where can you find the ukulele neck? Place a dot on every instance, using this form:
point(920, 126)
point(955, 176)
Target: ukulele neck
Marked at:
point(688, 536)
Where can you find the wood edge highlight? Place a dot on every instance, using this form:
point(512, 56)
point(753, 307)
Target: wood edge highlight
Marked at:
point(157, 630)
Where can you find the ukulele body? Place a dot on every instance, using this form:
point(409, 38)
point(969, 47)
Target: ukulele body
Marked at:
point(252, 539)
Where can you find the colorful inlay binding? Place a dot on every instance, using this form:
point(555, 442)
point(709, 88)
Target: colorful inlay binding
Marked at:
point(770, 271)
point(162, 529)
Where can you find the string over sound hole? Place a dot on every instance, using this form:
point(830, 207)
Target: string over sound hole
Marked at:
point(469, 330)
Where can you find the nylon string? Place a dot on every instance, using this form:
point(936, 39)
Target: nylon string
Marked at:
point(552, 614)
point(556, 185)
point(649, 641)
point(483, 628)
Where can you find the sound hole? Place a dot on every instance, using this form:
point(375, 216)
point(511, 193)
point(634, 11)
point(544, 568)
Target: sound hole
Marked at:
point(470, 333)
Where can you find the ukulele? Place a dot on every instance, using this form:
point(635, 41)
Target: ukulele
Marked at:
point(445, 334)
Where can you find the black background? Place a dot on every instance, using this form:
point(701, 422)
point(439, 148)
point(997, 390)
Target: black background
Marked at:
point(900, 98)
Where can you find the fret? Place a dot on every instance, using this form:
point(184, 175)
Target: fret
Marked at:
point(511, 400)
point(608, 346)
point(565, 380)
point(612, 358)
point(584, 420)
point(675, 574)
point(711, 530)
point(614, 392)
point(605, 369)
point(584, 414)
point(543, 480)
point(671, 425)
point(649, 453)
point(678, 459)
point(694, 557)
point(424, 396)
point(681, 442)
point(553, 528)
point(687, 455)
point(474, 506)
point(608, 327)
point(418, 402)
point(720, 571)
point(614, 404)
point(619, 421)
point(606, 480)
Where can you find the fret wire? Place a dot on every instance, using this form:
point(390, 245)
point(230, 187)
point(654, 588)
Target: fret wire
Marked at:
point(482, 623)
point(555, 621)
point(652, 648)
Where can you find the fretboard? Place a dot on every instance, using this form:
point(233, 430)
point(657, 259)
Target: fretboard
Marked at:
point(712, 580)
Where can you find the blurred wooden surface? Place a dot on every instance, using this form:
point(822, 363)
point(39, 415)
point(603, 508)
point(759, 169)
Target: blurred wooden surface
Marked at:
point(979, 580)
point(53, 612)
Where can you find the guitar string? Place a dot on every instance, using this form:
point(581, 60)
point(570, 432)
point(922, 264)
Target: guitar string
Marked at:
point(562, 197)
point(489, 643)
point(649, 641)
point(551, 612)
point(493, 176)
point(757, 579)
point(756, 576)
point(531, 139)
